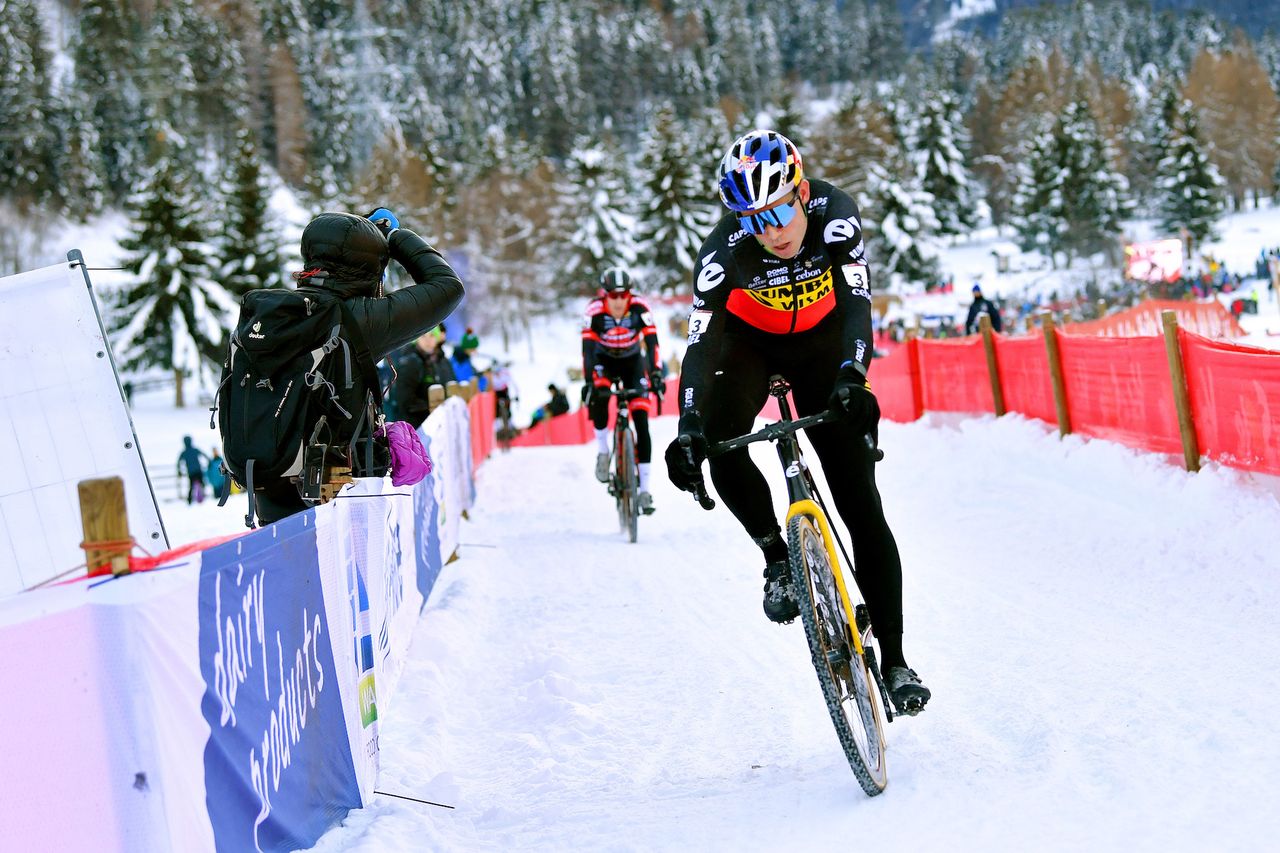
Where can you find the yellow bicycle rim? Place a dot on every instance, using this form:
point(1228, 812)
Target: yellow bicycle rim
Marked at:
point(811, 509)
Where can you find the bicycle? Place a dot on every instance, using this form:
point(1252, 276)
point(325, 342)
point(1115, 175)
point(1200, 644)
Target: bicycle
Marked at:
point(837, 625)
point(624, 479)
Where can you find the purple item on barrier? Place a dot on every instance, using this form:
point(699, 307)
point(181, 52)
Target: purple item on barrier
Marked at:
point(409, 460)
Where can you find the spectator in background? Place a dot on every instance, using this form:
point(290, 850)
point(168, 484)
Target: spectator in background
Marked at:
point(556, 406)
point(192, 462)
point(504, 387)
point(215, 476)
point(419, 366)
point(463, 369)
point(981, 305)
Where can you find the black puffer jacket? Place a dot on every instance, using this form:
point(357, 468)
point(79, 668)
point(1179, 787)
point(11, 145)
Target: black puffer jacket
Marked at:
point(348, 254)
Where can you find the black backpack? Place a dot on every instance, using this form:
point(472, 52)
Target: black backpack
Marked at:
point(299, 390)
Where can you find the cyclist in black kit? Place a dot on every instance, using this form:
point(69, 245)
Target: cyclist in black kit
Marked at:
point(612, 329)
point(782, 286)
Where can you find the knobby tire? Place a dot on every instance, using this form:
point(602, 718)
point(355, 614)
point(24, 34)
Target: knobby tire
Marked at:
point(852, 696)
point(630, 485)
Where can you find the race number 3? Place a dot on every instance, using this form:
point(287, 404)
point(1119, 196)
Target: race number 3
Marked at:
point(859, 281)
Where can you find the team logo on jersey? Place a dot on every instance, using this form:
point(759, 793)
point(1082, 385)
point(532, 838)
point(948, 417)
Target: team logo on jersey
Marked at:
point(736, 237)
point(839, 230)
point(710, 275)
point(789, 297)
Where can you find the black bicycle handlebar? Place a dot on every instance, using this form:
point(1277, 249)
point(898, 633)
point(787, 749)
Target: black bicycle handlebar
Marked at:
point(771, 432)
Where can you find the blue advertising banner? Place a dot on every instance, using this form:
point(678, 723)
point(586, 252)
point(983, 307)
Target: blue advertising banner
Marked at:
point(427, 531)
point(278, 767)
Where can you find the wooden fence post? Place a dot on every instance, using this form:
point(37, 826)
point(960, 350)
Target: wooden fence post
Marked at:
point(435, 396)
point(452, 388)
point(107, 542)
point(993, 371)
point(1181, 399)
point(1055, 374)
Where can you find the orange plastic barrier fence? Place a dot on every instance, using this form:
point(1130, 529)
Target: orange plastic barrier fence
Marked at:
point(1116, 388)
point(896, 383)
point(953, 376)
point(1119, 389)
point(1023, 365)
point(1235, 402)
point(481, 408)
point(1209, 319)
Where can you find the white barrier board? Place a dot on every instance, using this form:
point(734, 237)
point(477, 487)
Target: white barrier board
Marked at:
point(63, 419)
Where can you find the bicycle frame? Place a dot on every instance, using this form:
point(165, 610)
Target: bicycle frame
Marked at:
point(801, 491)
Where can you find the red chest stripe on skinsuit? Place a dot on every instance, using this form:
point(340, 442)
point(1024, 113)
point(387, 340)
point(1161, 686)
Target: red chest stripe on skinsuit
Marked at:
point(791, 307)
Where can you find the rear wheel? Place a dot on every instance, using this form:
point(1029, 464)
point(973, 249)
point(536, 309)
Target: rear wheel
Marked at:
point(852, 696)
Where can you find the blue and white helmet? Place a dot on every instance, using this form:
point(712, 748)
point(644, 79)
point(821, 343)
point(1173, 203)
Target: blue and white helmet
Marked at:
point(760, 168)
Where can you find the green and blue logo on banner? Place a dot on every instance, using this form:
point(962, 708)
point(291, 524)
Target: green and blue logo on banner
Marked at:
point(278, 767)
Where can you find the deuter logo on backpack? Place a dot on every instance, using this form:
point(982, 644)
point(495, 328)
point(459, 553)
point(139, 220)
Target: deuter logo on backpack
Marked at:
point(308, 395)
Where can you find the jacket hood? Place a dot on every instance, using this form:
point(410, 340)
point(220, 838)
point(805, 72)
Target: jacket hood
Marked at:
point(349, 249)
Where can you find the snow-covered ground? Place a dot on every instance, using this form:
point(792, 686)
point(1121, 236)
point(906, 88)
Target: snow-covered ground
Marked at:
point(1095, 624)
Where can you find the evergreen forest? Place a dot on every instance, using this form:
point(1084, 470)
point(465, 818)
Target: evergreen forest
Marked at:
point(538, 141)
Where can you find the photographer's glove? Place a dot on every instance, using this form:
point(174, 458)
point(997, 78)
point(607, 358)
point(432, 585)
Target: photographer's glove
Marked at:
point(385, 220)
point(684, 464)
point(853, 399)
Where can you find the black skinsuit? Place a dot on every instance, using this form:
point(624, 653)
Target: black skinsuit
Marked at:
point(614, 345)
point(756, 315)
point(387, 322)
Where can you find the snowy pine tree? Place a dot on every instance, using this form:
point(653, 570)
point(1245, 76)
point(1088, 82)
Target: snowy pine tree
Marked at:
point(26, 138)
point(938, 151)
point(1190, 187)
point(597, 198)
point(676, 209)
point(107, 61)
point(1094, 193)
point(81, 187)
point(172, 315)
point(898, 221)
point(249, 242)
point(1037, 214)
point(1069, 197)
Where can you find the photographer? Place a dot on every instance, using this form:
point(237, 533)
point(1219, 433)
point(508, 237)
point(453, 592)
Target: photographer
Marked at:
point(347, 255)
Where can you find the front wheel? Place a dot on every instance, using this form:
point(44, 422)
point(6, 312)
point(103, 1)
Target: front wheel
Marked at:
point(628, 475)
point(852, 696)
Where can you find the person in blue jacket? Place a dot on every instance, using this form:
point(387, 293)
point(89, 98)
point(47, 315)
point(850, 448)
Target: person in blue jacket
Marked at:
point(193, 461)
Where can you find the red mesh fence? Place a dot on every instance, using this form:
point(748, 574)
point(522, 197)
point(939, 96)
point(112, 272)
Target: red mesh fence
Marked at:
point(953, 376)
point(1210, 319)
point(1235, 402)
point(1119, 389)
point(895, 379)
point(1023, 364)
